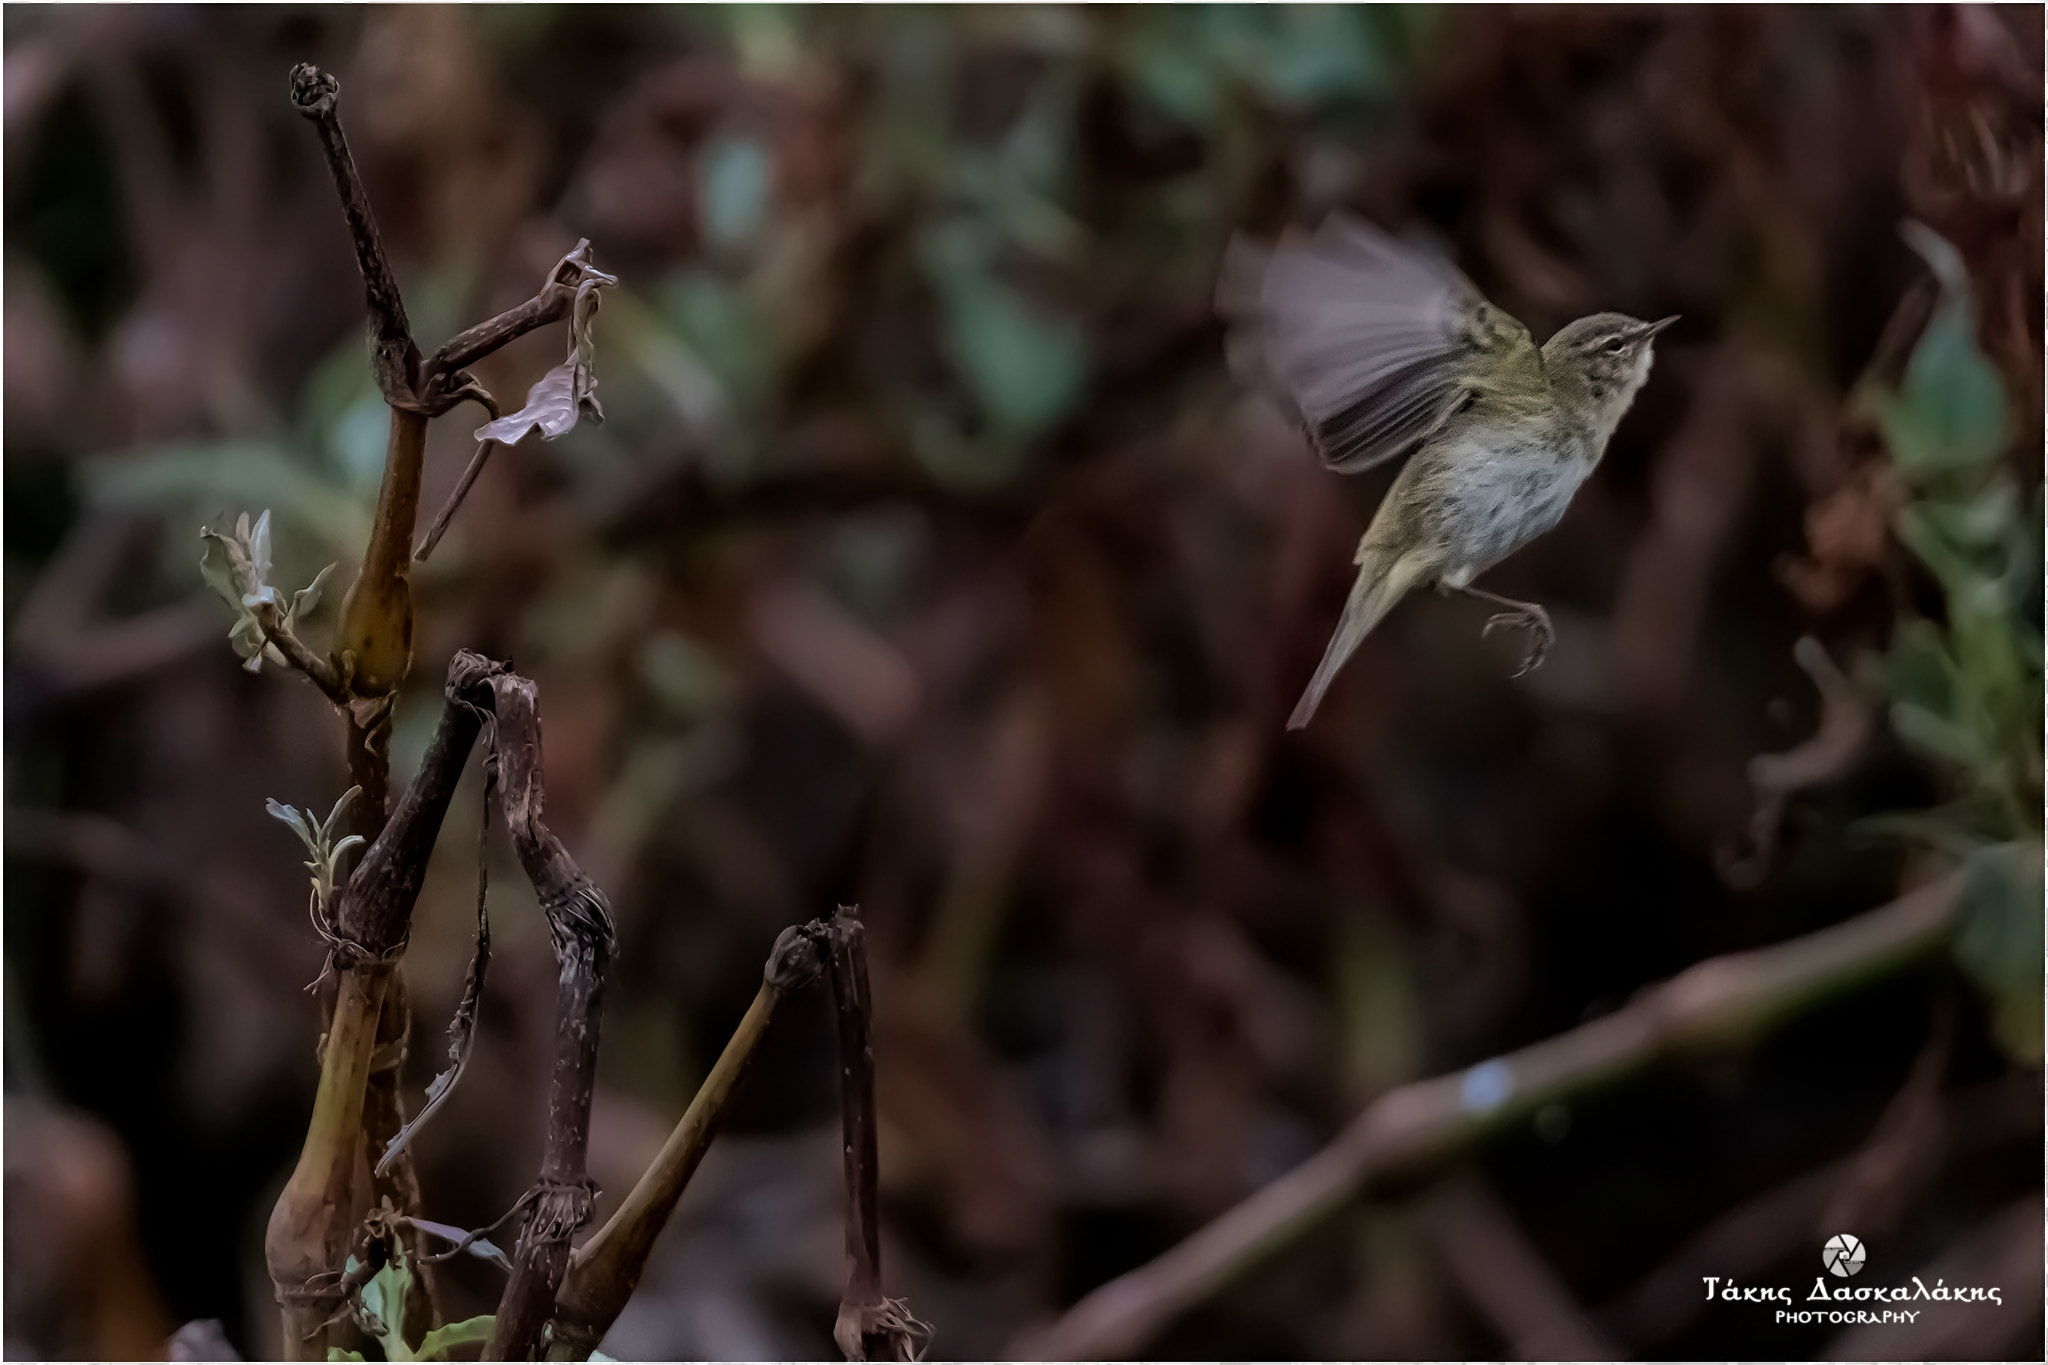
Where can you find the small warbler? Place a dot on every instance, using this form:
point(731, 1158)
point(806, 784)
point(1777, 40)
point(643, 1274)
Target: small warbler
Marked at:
point(1384, 350)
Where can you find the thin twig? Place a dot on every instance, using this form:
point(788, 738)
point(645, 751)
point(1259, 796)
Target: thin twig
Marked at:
point(1719, 1003)
point(551, 304)
point(448, 508)
point(605, 1271)
point(580, 927)
point(299, 656)
point(462, 1028)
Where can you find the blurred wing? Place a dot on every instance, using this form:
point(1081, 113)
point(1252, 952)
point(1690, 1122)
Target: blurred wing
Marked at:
point(1369, 340)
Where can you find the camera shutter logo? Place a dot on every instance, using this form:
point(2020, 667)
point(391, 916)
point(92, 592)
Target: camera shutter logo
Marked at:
point(1843, 1255)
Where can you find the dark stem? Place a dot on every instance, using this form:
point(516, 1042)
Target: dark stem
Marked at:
point(870, 1326)
point(580, 926)
point(604, 1273)
point(376, 908)
point(857, 1113)
point(316, 94)
point(367, 750)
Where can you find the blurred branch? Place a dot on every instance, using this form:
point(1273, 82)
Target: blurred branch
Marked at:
point(1845, 724)
point(605, 1271)
point(1506, 1278)
point(200, 1339)
point(1720, 1003)
point(1753, 1236)
point(580, 927)
point(2003, 1250)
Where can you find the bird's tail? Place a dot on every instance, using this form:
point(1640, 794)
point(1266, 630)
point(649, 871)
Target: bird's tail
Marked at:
point(1380, 584)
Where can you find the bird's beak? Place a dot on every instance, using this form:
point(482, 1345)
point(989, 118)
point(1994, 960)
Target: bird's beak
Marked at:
point(1651, 329)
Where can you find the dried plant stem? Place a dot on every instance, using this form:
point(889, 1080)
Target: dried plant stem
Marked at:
point(376, 615)
point(310, 1227)
point(1719, 1003)
point(308, 1235)
point(551, 304)
point(870, 1326)
point(580, 926)
point(316, 95)
point(605, 1271)
point(399, 1182)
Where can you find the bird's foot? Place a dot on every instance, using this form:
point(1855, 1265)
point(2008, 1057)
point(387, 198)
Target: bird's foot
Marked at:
point(1532, 618)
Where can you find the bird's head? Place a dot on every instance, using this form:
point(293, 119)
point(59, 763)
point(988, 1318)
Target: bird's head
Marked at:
point(1603, 360)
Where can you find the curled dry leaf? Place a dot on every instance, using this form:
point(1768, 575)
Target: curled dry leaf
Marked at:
point(567, 392)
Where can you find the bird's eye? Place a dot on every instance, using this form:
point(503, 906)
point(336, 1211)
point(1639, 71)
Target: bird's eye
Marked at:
point(1616, 346)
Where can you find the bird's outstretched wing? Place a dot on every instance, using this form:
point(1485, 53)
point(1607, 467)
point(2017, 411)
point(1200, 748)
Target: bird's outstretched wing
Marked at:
point(1372, 342)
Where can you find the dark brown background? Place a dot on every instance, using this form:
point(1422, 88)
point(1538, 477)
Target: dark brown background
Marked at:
point(929, 560)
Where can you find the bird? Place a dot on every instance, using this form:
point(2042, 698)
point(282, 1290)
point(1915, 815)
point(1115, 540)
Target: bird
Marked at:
point(1381, 349)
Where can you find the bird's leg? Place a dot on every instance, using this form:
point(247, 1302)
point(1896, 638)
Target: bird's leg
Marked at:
point(1520, 616)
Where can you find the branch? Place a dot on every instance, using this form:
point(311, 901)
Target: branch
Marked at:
point(376, 910)
point(299, 656)
point(604, 1273)
point(448, 508)
point(1720, 1003)
point(556, 300)
point(551, 304)
point(1505, 1278)
point(315, 94)
point(869, 1326)
point(580, 926)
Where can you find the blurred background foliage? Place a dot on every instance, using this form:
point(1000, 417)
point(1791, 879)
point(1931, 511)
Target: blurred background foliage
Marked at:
point(929, 560)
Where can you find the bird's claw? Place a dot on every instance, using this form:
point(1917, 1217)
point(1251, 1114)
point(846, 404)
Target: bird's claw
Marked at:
point(1533, 619)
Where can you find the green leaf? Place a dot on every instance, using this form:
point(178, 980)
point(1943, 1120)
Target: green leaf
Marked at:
point(307, 599)
point(337, 1353)
point(2000, 943)
point(438, 1343)
point(1919, 669)
point(383, 1300)
point(291, 817)
point(1950, 412)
